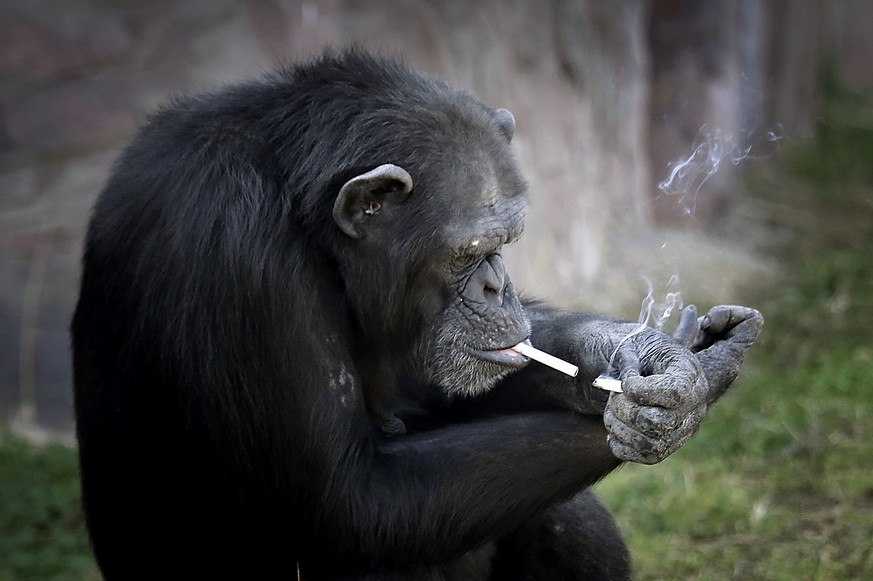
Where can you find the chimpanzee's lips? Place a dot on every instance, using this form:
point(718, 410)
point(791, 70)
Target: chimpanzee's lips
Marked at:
point(504, 356)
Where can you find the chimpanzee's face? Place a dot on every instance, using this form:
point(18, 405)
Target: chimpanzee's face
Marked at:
point(436, 231)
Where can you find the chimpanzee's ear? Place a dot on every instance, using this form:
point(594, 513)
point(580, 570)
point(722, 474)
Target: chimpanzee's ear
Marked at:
point(363, 196)
point(506, 122)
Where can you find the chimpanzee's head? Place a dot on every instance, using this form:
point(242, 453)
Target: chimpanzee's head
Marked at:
point(431, 197)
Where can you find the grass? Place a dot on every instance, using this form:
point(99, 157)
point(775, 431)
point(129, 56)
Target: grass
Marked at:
point(777, 484)
point(42, 528)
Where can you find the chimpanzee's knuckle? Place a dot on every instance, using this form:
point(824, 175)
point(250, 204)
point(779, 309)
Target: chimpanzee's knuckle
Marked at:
point(622, 451)
point(691, 422)
point(699, 391)
point(654, 450)
point(624, 409)
point(614, 425)
point(656, 421)
point(648, 459)
point(620, 430)
point(673, 391)
point(681, 437)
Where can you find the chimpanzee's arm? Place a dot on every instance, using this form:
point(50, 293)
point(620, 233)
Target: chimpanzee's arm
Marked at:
point(683, 374)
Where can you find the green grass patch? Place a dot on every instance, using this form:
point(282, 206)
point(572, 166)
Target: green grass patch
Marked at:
point(42, 527)
point(777, 485)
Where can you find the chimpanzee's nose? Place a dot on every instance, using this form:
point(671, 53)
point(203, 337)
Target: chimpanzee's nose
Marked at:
point(494, 279)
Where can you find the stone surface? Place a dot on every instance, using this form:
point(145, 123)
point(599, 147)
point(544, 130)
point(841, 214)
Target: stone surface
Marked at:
point(76, 77)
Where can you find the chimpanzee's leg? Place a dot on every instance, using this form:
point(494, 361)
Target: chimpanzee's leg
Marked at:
point(575, 540)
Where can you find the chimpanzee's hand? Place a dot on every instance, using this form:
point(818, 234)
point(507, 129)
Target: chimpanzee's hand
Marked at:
point(664, 392)
point(668, 381)
point(720, 339)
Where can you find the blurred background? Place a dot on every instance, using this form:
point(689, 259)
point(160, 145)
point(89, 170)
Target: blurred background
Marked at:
point(721, 149)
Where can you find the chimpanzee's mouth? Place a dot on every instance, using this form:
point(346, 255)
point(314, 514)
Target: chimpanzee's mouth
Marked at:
point(503, 356)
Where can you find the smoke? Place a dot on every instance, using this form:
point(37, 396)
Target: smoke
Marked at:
point(655, 314)
point(685, 180)
point(686, 177)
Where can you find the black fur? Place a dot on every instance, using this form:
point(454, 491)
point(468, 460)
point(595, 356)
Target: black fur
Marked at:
point(258, 393)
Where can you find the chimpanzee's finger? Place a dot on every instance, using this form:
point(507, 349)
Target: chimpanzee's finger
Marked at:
point(687, 328)
point(686, 430)
point(627, 361)
point(628, 453)
point(652, 421)
point(661, 390)
point(631, 445)
point(729, 322)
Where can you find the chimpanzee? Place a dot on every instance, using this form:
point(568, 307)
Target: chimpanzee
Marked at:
point(291, 348)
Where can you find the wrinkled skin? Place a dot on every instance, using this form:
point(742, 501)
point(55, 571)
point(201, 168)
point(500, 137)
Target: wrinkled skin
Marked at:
point(668, 381)
point(666, 389)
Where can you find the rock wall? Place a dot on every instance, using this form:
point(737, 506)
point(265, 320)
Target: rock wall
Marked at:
point(606, 94)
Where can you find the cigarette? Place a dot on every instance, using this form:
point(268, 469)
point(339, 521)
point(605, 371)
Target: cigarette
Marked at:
point(529, 350)
point(608, 383)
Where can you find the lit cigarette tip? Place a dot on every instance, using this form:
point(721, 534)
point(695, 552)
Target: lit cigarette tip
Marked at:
point(608, 383)
point(529, 350)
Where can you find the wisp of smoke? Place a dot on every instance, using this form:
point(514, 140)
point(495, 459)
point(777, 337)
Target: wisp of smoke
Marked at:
point(687, 176)
point(652, 313)
point(655, 314)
